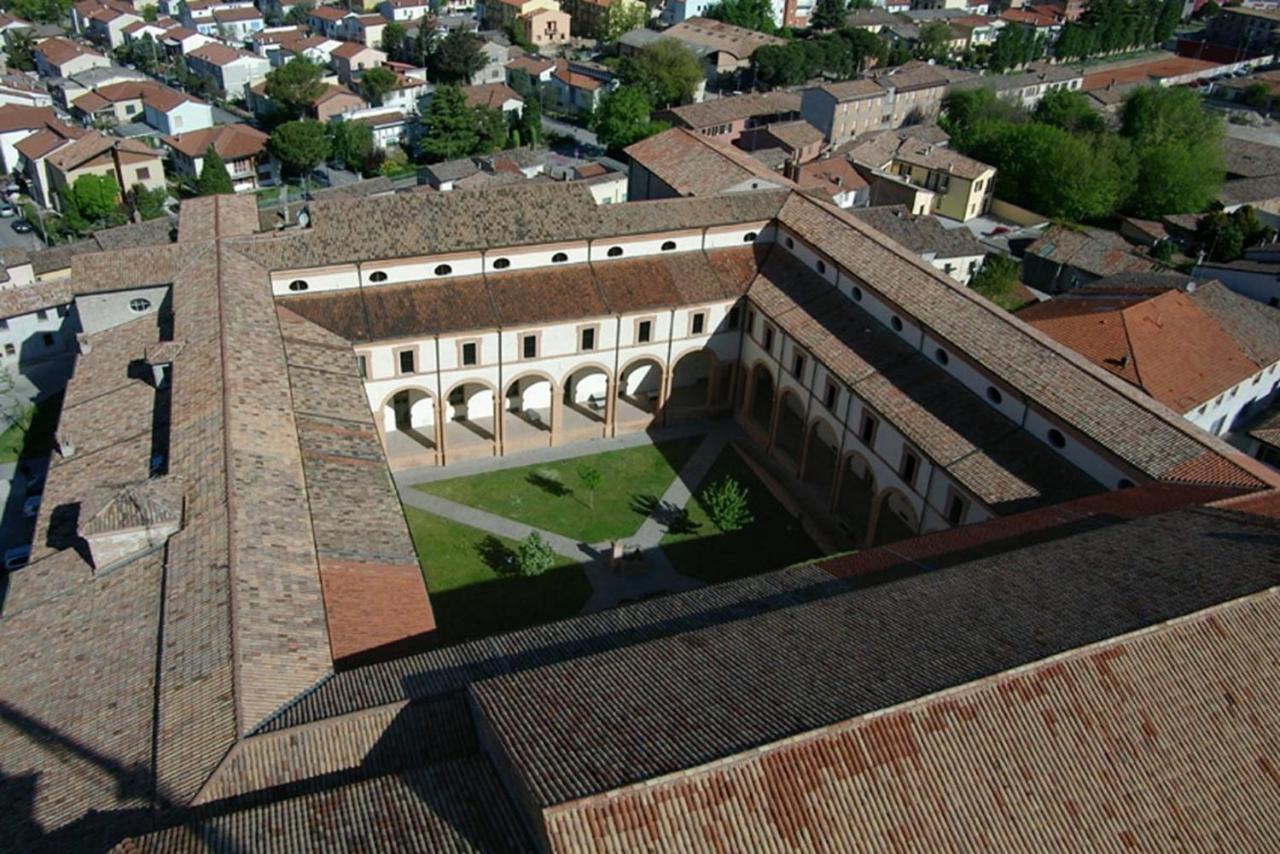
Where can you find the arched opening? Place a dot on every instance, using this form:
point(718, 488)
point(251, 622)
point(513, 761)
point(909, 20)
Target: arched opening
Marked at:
point(856, 496)
point(585, 403)
point(528, 416)
point(789, 431)
point(639, 394)
point(409, 427)
point(896, 519)
point(693, 383)
point(470, 417)
point(820, 455)
point(760, 398)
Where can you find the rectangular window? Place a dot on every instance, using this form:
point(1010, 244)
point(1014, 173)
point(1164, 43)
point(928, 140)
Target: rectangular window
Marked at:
point(470, 353)
point(697, 323)
point(589, 338)
point(797, 366)
point(144, 173)
point(644, 331)
point(42, 314)
point(910, 465)
point(406, 361)
point(362, 366)
point(8, 350)
point(62, 312)
point(751, 322)
point(955, 510)
point(829, 396)
point(529, 346)
point(4, 324)
point(734, 317)
point(768, 338)
point(868, 429)
point(48, 339)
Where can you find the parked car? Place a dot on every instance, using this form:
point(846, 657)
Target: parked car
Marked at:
point(31, 506)
point(7, 210)
point(22, 226)
point(17, 557)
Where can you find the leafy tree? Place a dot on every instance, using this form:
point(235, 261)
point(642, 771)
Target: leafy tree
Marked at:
point(351, 144)
point(300, 145)
point(666, 71)
point(1179, 149)
point(149, 13)
point(1070, 111)
point(590, 477)
point(534, 555)
point(751, 14)
point(998, 281)
point(841, 56)
point(899, 53)
point(92, 201)
point(1013, 48)
point(969, 113)
point(1225, 236)
point(726, 504)
point(149, 204)
point(143, 54)
point(457, 57)
point(214, 178)
point(828, 15)
point(295, 85)
point(22, 50)
point(393, 39)
point(376, 83)
point(451, 129)
point(1258, 95)
point(780, 65)
point(621, 18)
point(934, 41)
point(530, 126)
point(623, 118)
point(1210, 9)
point(298, 14)
point(40, 11)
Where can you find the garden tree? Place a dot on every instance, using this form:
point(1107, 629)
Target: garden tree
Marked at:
point(1225, 236)
point(621, 18)
point(967, 113)
point(1210, 9)
point(424, 43)
point(726, 505)
point(1179, 148)
point(899, 52)
point(300, 145)
point(149, 12)
point(376, 83)
point(1113, 25)
point(457, 57)
point(214, 178)
point(841, 56)
point(590, 477)
point(623, 118)
point(534, 555)
point(298, 14)
point(1014, 48)
point(1258, 95)
point(143, 54)
point(752, 14)
point(295, 85)
point(21, 50)
point(92, 201)
point(393, 162)
point(393, 39)
point(934, 41)
point(780, 65)
point(515, 32)
point(148, 204)
point(530, 124)
point(666, 71)
point(828, 15)
point(451, 129)
point(351, 144)
point(1070, 111)
point(39, 11)
point(998, 281)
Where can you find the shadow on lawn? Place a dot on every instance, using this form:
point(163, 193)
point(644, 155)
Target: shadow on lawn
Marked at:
point(551, 486)
point(498, 556)
point(675, 519)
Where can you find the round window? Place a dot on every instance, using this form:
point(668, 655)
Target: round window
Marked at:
point(994, 395)
point(139, 305)
point(1057, 439)
point(501, 263)
point(298, 285)
point(443, 270)
point(378, 276)
point(857, 294)
point(749, 237)
point(896, 323)
point(942, 356)
point(559, 258)
point(669, 246)
point(614, 251)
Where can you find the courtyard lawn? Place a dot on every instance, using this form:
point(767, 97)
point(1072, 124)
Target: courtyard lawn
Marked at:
point(474, 594)
point(551, 496)
point(32, 434)
point(774, 540)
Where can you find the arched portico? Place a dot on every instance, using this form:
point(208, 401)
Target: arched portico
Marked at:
point(586, 404)
point(758, 405)
point(893, 518)
point(821, 452)
point(788, 430)
point(640, 388)
point(530, 412)
point(855, 495)
point(694, 386)
point(472, 419)
point(410, 425)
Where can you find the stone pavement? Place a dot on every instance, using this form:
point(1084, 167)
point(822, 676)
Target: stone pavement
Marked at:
point(608, 588)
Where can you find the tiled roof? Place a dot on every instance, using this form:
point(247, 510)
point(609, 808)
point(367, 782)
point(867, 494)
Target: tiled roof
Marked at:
point(230, 141)
point(719, 36)
point(694, 165)
point(796, 134)
point(1249, 191)
point(59, 50)
point(53, 136)
point(718, 111)
point(850, 90)
point(92, 145)
point(17, 117)
point(328, 13)
point(1093, 250)
point(921, 234)
point(491, 95)
point(1247, 159)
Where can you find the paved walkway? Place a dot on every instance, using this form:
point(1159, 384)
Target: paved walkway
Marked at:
point(608, 587)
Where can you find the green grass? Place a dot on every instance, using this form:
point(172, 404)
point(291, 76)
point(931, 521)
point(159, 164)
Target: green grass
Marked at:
point(474, 595)
point(773, 541)
point(551, 496)
point(32, 434)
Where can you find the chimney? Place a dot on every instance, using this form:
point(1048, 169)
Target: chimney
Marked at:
point(82, 341)
point(159, 357)
point(66, 447)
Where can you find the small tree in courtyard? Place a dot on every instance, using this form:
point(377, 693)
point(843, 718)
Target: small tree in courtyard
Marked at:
point(591, 478)
point(727, 506)
point(214, 177)
point(534, 556)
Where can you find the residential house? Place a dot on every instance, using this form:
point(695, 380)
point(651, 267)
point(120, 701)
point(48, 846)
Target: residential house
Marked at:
point(410, 88)
point(1064, 259)
point(33, 153)
point(16, 124)
point(545, 27)
point(836, 177)
point(1070, 10)
point(1209, 354)
point(678, 162)
point(167, 110)
point(390, 127)
point(954, 251)
point(844, 111)
point(404, 10)
point(128, 161)
point(231, 70)
point(61, 57)
point(607, 187)
point(725, 49)
point(798, 140)
point(1251, 29)
point(579, 86)
point(496, 57)
point(350, 58)
point(242, 148)
point(1028, 87)
point(139, 30)
point(66, 90)
point(1257, 278)
point(872, 20)
point(235, 25)
point(495, 96)
point(327, 21)
point(19, 90)
point(503, 14)
point(181, 41)
point(530, 71)
point(81, 13)
point(107, 25)
point(939, 181)
point(1044, 24)
point(976, 30)
point(914, 92)
point(335, 100)
point(727, 118)
point(365, 29)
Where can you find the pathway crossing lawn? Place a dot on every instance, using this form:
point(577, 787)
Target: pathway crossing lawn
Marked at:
point(551, 495)
point(473, 594)
point(773, 541)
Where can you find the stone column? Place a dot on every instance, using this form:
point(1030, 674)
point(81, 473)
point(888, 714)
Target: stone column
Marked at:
point(557, 415)
point(873, 519)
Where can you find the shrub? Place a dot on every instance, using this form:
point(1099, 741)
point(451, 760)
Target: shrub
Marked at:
point(726, 504)
point(534, 556)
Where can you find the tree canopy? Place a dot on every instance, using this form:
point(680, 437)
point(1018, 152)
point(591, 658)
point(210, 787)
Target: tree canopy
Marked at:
point(91, 201)
point(1113, 25)
point(457, 57)
point(1225, 236)
point(1179, 148)
point(620, 18)
point(840, 56)
point(351, 144)
point(393, 39)
point(451, 129)
point(148, 203)
point(376, 83)
point(300, 145)
point(295, 85)
point(828, 15)
point(623, 118)
point(214, 177)
point(1070, 111)
point(752, 14)
point(666, 71)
